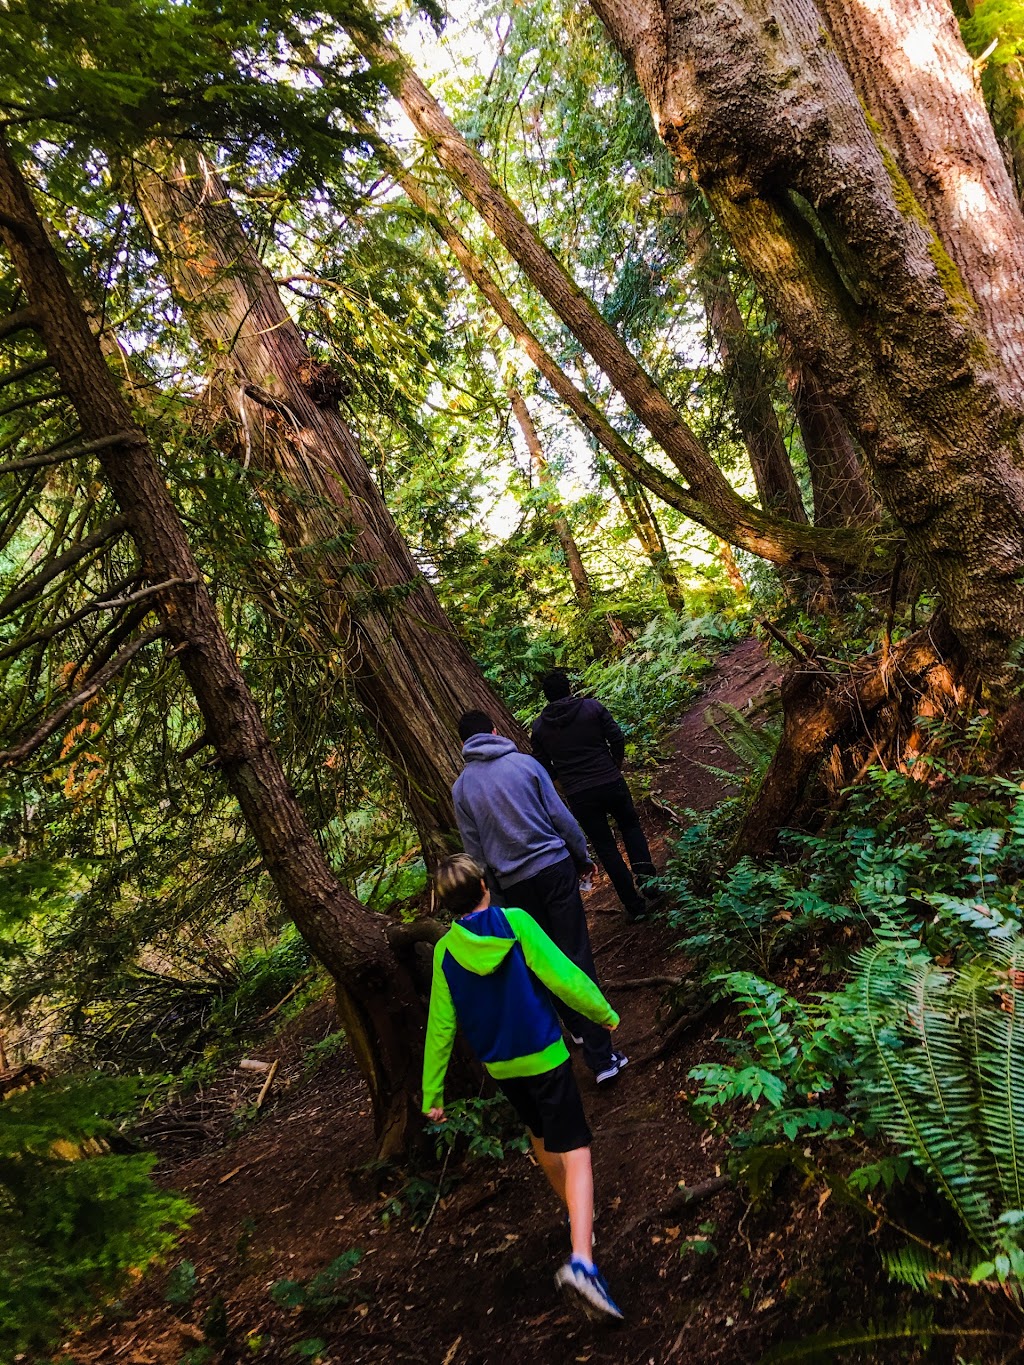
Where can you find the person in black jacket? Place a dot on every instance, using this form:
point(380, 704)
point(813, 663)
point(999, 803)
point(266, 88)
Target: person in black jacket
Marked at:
point(579, 743)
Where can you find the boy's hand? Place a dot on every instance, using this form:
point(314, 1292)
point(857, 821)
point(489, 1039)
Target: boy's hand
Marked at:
point(436, 1116)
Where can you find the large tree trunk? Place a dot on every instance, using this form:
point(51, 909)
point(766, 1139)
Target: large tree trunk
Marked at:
point(408, 669)
point(746, 380)
point(380, 1011)
point(917, 81)
point(764, 115)
point(714, 503)
point(842, 495)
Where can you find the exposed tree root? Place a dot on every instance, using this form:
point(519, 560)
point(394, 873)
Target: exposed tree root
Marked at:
point(683, 1199)
point(837, 724)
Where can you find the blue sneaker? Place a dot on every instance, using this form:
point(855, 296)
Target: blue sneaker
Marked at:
point(586, 1285)
point(608, 1073)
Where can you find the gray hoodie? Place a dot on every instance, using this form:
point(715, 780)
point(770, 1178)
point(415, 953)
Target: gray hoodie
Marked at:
point(511, 819)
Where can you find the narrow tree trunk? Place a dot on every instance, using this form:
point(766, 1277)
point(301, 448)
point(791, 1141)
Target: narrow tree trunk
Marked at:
point(644, 525)
point(556, 512)
point(380, 1011)
point(763, 113)
point(746, 381)
point(842, 495)
point(917, 81)
point(715, 504)
point(732, 569)
point(410, 673)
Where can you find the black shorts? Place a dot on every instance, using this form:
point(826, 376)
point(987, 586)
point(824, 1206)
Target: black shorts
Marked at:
point(550, 1106)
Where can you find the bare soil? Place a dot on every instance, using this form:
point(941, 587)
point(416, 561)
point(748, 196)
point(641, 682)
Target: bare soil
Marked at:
point(298, 1186)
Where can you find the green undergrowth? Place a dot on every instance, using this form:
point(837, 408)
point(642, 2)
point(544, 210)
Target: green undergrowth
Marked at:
point(77, 1220)
point(875, 973)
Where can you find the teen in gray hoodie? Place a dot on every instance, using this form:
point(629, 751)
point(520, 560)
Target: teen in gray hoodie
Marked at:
point(515, 824)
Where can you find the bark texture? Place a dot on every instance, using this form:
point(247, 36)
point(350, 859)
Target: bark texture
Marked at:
point(381, 1013)
point(842, 495)
point(713, 502)
point(764, 115)
point(746, 380)
point(408, 669)
point(918, 82)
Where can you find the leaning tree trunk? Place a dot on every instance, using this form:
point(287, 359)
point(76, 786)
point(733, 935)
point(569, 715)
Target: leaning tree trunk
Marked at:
point(646, 528)
point(917, 82)
point(765, 117)
point(381, 1013)
point(410, 673)
point(743, 367)
point(714, 503)
point(842, 496)
point(581, 584)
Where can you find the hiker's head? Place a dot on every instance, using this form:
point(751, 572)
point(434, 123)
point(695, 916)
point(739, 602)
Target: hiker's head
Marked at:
point(460, 885)
point(556, 685)
point(474, 723)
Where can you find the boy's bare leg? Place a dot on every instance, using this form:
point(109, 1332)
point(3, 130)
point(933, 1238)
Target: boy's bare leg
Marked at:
point(552, 1164)
point(579, 1195)
point(572, 1179)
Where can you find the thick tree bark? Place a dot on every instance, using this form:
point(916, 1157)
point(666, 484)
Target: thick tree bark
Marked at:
point(917, 81)
point(556, 512)
point(765, 117)
point(647, 529)
point(742, 364)
point(715, 504)
point(842, 495)
point(381, 1013)
point(408, 669)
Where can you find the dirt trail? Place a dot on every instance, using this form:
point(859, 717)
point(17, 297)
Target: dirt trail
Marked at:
point(475, 1287)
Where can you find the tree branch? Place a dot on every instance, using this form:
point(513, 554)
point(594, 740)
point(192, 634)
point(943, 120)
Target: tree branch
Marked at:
point(58, 456)
point(56, 719)
point(20, 321)
point(34, 586)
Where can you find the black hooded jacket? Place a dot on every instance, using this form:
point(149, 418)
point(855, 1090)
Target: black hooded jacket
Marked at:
point(579, 743)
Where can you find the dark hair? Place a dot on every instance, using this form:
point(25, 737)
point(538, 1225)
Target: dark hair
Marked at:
point(474, 723)
point(555, 685)
point(458, 881)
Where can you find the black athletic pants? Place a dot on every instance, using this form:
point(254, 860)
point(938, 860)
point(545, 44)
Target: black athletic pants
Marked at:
point(592, 808)
point(552, 897)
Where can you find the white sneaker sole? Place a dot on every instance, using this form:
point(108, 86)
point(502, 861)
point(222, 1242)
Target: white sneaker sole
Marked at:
point(585, 1298)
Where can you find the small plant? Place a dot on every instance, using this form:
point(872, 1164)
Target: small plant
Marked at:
point(488, 1126)
point(700, 1243)
point(324, 1291)
point(182, 1283)
point(315, 1056)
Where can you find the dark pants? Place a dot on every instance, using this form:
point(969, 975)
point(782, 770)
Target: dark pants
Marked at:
point(552, 897)
point(592, 808)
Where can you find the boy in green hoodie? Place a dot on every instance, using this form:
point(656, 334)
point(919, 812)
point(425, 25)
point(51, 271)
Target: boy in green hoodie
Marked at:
point(490, 974)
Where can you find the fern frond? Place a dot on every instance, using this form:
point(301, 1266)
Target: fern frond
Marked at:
point(998, 1033)
point(917, 1326)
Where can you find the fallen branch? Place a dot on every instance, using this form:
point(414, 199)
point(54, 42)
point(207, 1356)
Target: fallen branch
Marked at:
point(683, 1199)
point(267, 1083)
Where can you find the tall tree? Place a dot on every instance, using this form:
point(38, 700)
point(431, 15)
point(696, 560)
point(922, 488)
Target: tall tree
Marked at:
point(645, 526)
point(711, 499)
point(766, 118)
point(410, 672)
point(379, 1008)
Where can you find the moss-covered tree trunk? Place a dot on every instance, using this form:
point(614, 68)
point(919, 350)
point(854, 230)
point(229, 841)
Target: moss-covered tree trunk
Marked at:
point(841, 494)
point(379, 1008)
point(765, 116)
point(647, 529)
point(918, 83)
point(408, 670)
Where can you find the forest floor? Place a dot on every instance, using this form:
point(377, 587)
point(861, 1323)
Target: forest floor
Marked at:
point(297, 1186)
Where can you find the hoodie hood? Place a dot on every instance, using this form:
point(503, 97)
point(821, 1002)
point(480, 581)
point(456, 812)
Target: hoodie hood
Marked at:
point(563, 711)
point(484, 747)
point(481, 941)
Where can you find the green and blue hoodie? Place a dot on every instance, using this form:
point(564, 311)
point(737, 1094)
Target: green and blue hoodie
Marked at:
point(492, 974)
